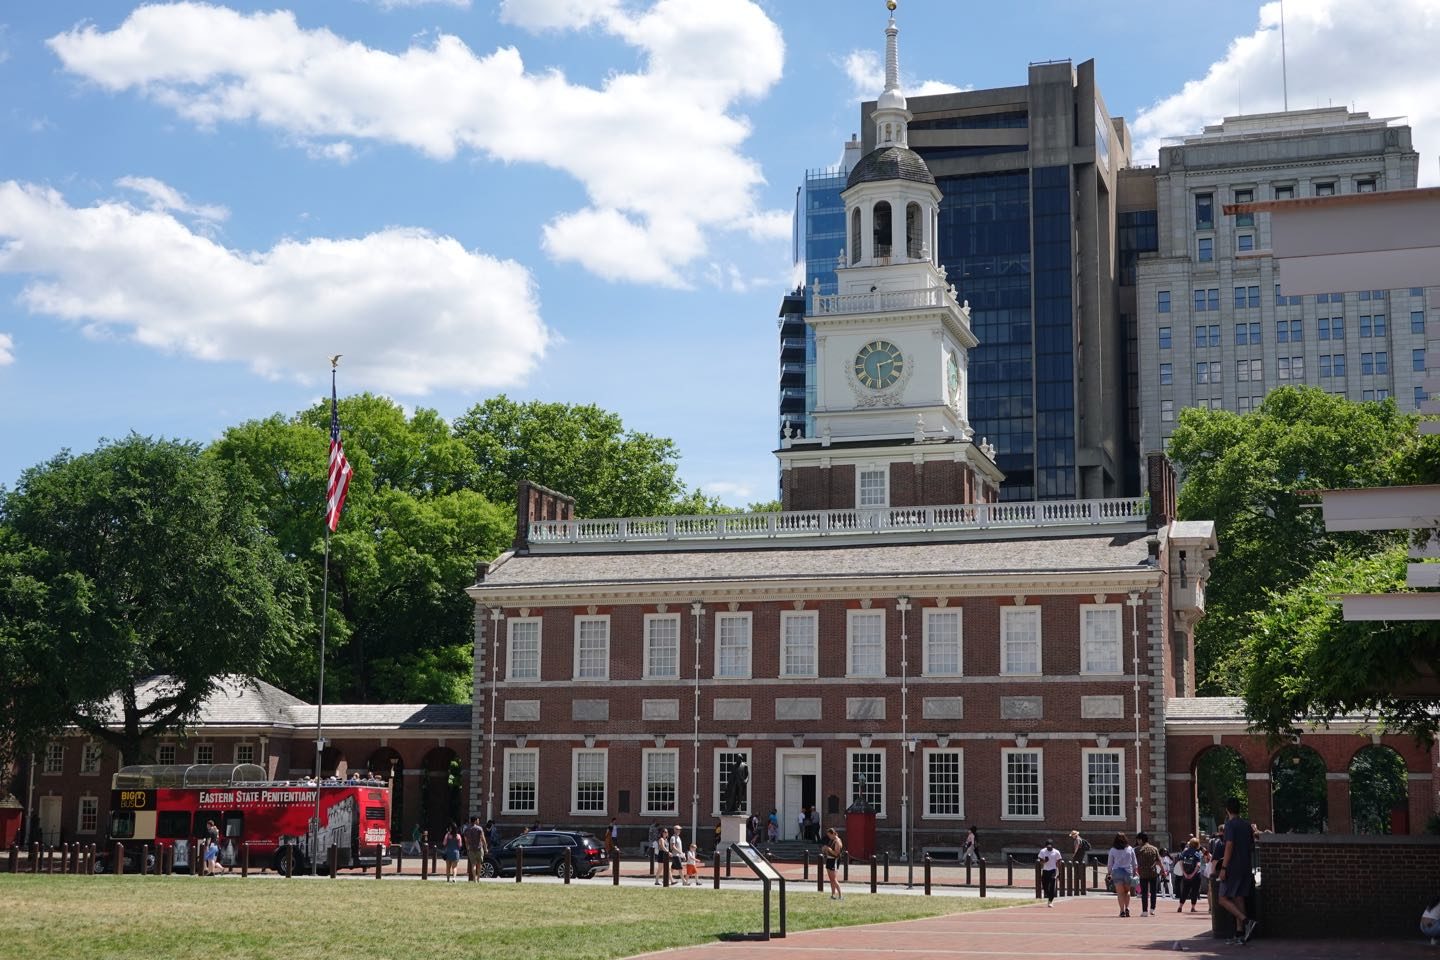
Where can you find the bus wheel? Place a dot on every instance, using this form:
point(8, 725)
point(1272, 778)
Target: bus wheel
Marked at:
point(281, 863)
point(99, 865)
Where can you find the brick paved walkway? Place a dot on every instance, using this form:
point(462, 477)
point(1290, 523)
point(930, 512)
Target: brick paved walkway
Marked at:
point(1077, 928)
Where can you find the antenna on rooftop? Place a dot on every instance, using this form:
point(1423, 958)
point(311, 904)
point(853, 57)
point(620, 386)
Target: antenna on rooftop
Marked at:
point(1284, 78)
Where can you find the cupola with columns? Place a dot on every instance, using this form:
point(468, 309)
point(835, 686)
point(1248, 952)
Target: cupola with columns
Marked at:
point(892, 345)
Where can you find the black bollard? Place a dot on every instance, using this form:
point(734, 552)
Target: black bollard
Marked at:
point(927, 874)
point(805, 865)
point(35, 858)
point(118, 853)
point(887, 866)
point(615, 869)
point(717, 869)
point(845, 869)
point(874, 871)
point(333, 862)
point(1009, 871)
point(144, 859)
point(400, 858)
point(244, 859)
point(424, 863)
point(967, 873)
point(819, 874)
point(982, 876)
point(1039, 884)
point(379, 859)
point(519, 863)
point(568, 866)
point(15, 859)
point(727, 863)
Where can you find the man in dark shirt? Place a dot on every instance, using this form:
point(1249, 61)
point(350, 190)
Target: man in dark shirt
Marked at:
point(1235, 874)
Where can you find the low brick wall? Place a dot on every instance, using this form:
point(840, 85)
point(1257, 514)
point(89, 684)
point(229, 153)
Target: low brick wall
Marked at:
point(1340, 885)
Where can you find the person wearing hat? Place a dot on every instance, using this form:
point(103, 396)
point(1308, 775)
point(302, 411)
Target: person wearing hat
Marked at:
point(1050, 858)
point(1080, 846)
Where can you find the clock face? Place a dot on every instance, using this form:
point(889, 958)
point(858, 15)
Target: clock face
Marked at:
point(879, 364)
point(952, 376)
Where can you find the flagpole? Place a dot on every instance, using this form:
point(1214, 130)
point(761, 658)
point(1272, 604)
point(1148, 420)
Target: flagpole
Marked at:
point(324, 628)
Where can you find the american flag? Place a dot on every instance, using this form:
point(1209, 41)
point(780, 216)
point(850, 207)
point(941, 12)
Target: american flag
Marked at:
point(339, 481)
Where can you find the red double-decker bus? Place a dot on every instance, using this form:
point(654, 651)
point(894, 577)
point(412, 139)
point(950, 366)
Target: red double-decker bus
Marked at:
point(171, 805)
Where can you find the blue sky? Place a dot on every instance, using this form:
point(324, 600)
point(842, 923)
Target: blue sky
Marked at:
point(568, 200)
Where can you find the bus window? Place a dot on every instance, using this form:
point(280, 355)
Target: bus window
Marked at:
point(374, 813)
point(204, 817)
point(234, 824)
point(122, 824)
point(172, 825)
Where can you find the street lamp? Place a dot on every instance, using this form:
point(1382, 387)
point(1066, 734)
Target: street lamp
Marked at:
point(697, 610)
point(902, 604)
point(1134, 604)
point(909, 826)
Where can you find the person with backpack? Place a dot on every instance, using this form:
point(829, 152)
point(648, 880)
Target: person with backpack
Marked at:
point(1192, 860)
point(1081, 847)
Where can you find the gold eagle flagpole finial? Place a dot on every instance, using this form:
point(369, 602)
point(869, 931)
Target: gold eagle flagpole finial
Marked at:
point(891, 5)
point(335, 360)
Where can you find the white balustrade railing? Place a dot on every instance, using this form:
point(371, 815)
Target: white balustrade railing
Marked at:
point(881, 300)
point(792, 524)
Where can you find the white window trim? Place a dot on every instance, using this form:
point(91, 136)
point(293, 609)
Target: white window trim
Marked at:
point(174, 749)
point(884, 778)
point(575, 810)
point(198, 747)
point(749, 646)
point(575, 655)
point(1005, 754)
point(850, 617)
point(510, 648)
point(235, 752)
point(1085, 755)
point(510, 753)
point(645, 757)
point(85, 749)
point(715, 779)
point(655, 618)
point(45, 770)
point(925, 797)
point(1119, 611)
point(1005, 614)
point(814, 617)
point(925, 640)
point(882, 468)
point(80, 814)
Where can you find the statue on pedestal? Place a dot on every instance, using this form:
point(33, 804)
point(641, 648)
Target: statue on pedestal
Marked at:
point(735, 783)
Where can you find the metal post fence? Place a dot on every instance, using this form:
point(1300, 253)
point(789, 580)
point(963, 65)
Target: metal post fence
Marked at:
point(519, 863)
point(379, 859)
point(874, 868)
point(567, 867)
point(717, 869)
point(805, 865)
point(927, 874)
point(982, 876)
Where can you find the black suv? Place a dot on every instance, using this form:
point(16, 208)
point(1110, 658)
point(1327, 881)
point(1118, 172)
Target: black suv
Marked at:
point(545, 853)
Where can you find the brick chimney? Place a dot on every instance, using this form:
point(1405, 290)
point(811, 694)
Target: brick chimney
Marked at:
point(1160, 484)
point(534, 502)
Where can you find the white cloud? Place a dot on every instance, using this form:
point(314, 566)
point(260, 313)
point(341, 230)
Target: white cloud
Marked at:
point(166, 198)
point(411, 311)
point(7, 350)
point(658, 151)
point(399, 4)
point(728, 490)
point(1337, 51)
point(867, 78)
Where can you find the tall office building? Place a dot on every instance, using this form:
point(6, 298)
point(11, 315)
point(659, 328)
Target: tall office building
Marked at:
point(1216, 328)
point(1027, 233)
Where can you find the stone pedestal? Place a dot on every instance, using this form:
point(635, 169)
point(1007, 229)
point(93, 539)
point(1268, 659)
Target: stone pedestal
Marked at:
point(732, 829)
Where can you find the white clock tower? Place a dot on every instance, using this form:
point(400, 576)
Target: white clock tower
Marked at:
point(892, 345)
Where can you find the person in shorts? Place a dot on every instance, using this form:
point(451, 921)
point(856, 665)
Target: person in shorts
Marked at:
point(662, 853)
point(1235, 872)
point(475, 849)
point(831, 850)
point(1120, 863)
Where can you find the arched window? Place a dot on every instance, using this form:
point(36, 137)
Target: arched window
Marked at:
point(1379, 791)
point(914, 230)
point(855, 236)
point(1298, 795)
point(880, 235)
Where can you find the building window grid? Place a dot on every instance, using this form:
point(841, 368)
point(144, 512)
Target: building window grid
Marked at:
point(1104, 784)
point(872, 488)
point(522, 660)
point(204, 753)
point(1164, 336)
point(732, 646)
point(592, 648)
point(1100, 639)
point(1162, 301)
point(54, 758)
point(799, 646)
point(1417, 360)
point(866, 643)
point(1167, 374)
point(1020, 640)
point(662, 645)
point(1417, 321)
point(589, 782)
point(1167, 411)
point(521, 781)
point(1244, 219)
point(724, 760)
point(945, 783)
point(244, 753)
point(1024, 799)
point(944, 644)
point(1205, 249)
point(661, 781)
point(1245, 242)
point(88, 819)
point(165, 754)
point(90, 755)
point(1204, 211)
point(1207, 299)
point(867, 778)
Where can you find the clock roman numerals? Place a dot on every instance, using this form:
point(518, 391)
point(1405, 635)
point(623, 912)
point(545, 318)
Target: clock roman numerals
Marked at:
point(879, 365)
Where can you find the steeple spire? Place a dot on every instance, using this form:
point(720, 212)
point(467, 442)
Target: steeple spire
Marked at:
point(891, 114)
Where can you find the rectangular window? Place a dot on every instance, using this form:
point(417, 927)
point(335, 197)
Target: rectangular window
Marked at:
point(54, 758)
point(522, 660)
point(1205, 249)
point(661, 775)
point(662, 645)
point(1297, 331)
point(1325, 189)
point(89, 818)
point(205, 753)
point(1022, 781)
point(1417, 291)
point(1363, 295)
point(1165, 337)
point(1367, 364)
point(724, 760)
point(1020, 640)
point(1104, 784)
point(1324, 366)
point(1207, 372)
point(1337, 328)
point(588, 779)
point(1417, 360)
point(165, 753)
point(1204, 211)
point(90, 755)
point(521, 783)
point(867, 778)
point(945, 783)
point(798, 638)
point(1242, 404)
point(1242, 336)
point(1297, 368)
point(1419, 397)
point(1282, 368)
point(1212, 298)
point(1214, 334)
point(943, 643)
point(1382, 362)
point(1379, 319)
point(1239, 298)
point(1365, 326)
point(1245, 242)
point(244, 753)
point(732, 645)
point(1339, 364)
point(1285, 193)
point(1252, 296)
point(1167, 374)
point(1100, 638)
point(1162, 301)
point(1244, 219)
point(1282, 331)
point(592, 648)
point(1167, 411)
point(873, 490)
point(1199, 301)
point(1255, 333)
point(866, 644)
point(1365, 186)
point(1202, 337)
point(1417, 321)
point(1367, 395)
point(1242, 370)
point(1322, 328)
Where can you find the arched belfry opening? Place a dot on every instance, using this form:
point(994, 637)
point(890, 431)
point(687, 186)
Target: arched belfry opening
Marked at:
point(914, 230)
point(881, 230)
point(854, 236)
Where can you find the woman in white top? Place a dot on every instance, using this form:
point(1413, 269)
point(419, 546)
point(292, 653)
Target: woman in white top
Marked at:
point(1122, 867)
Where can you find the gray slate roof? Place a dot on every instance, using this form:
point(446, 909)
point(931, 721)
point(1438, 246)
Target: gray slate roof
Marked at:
point(1028, 556)
point(1205, 708)
point(407, 716)
point(890, 163)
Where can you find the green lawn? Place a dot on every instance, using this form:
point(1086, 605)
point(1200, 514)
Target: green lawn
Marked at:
point(155, 918)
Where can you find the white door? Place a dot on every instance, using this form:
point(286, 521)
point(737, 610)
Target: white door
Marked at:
point(50, 821)
point(798, 784)
point(790, 810)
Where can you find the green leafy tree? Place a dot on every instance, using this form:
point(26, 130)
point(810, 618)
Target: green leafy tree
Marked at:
point(138, 561)
point(1378, 784)
point(1255, 476)
point(1219, 775)
point(579, 450)
point(406, 548)
point(1298, 800)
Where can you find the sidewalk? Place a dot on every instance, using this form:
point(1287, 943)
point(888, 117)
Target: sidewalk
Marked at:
point(1081, 927)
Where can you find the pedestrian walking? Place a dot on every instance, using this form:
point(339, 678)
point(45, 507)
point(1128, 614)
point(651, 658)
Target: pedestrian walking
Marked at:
point(831, 851)
point(612, 837)
point(1120, 862)
point(1080, 847)
point(1147, 869)
point(662, 853)
point(677, 852)
point(1050, 859)
point(692, 866)
point(1167, 867)
point(474, 837)
point(1192, 863)
point(1235, 874)
point(452, 852)
point(970, 849)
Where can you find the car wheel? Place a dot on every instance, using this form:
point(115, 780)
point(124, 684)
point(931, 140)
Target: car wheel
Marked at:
point(487, 869)
point(558, 867)
point(100, 866)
